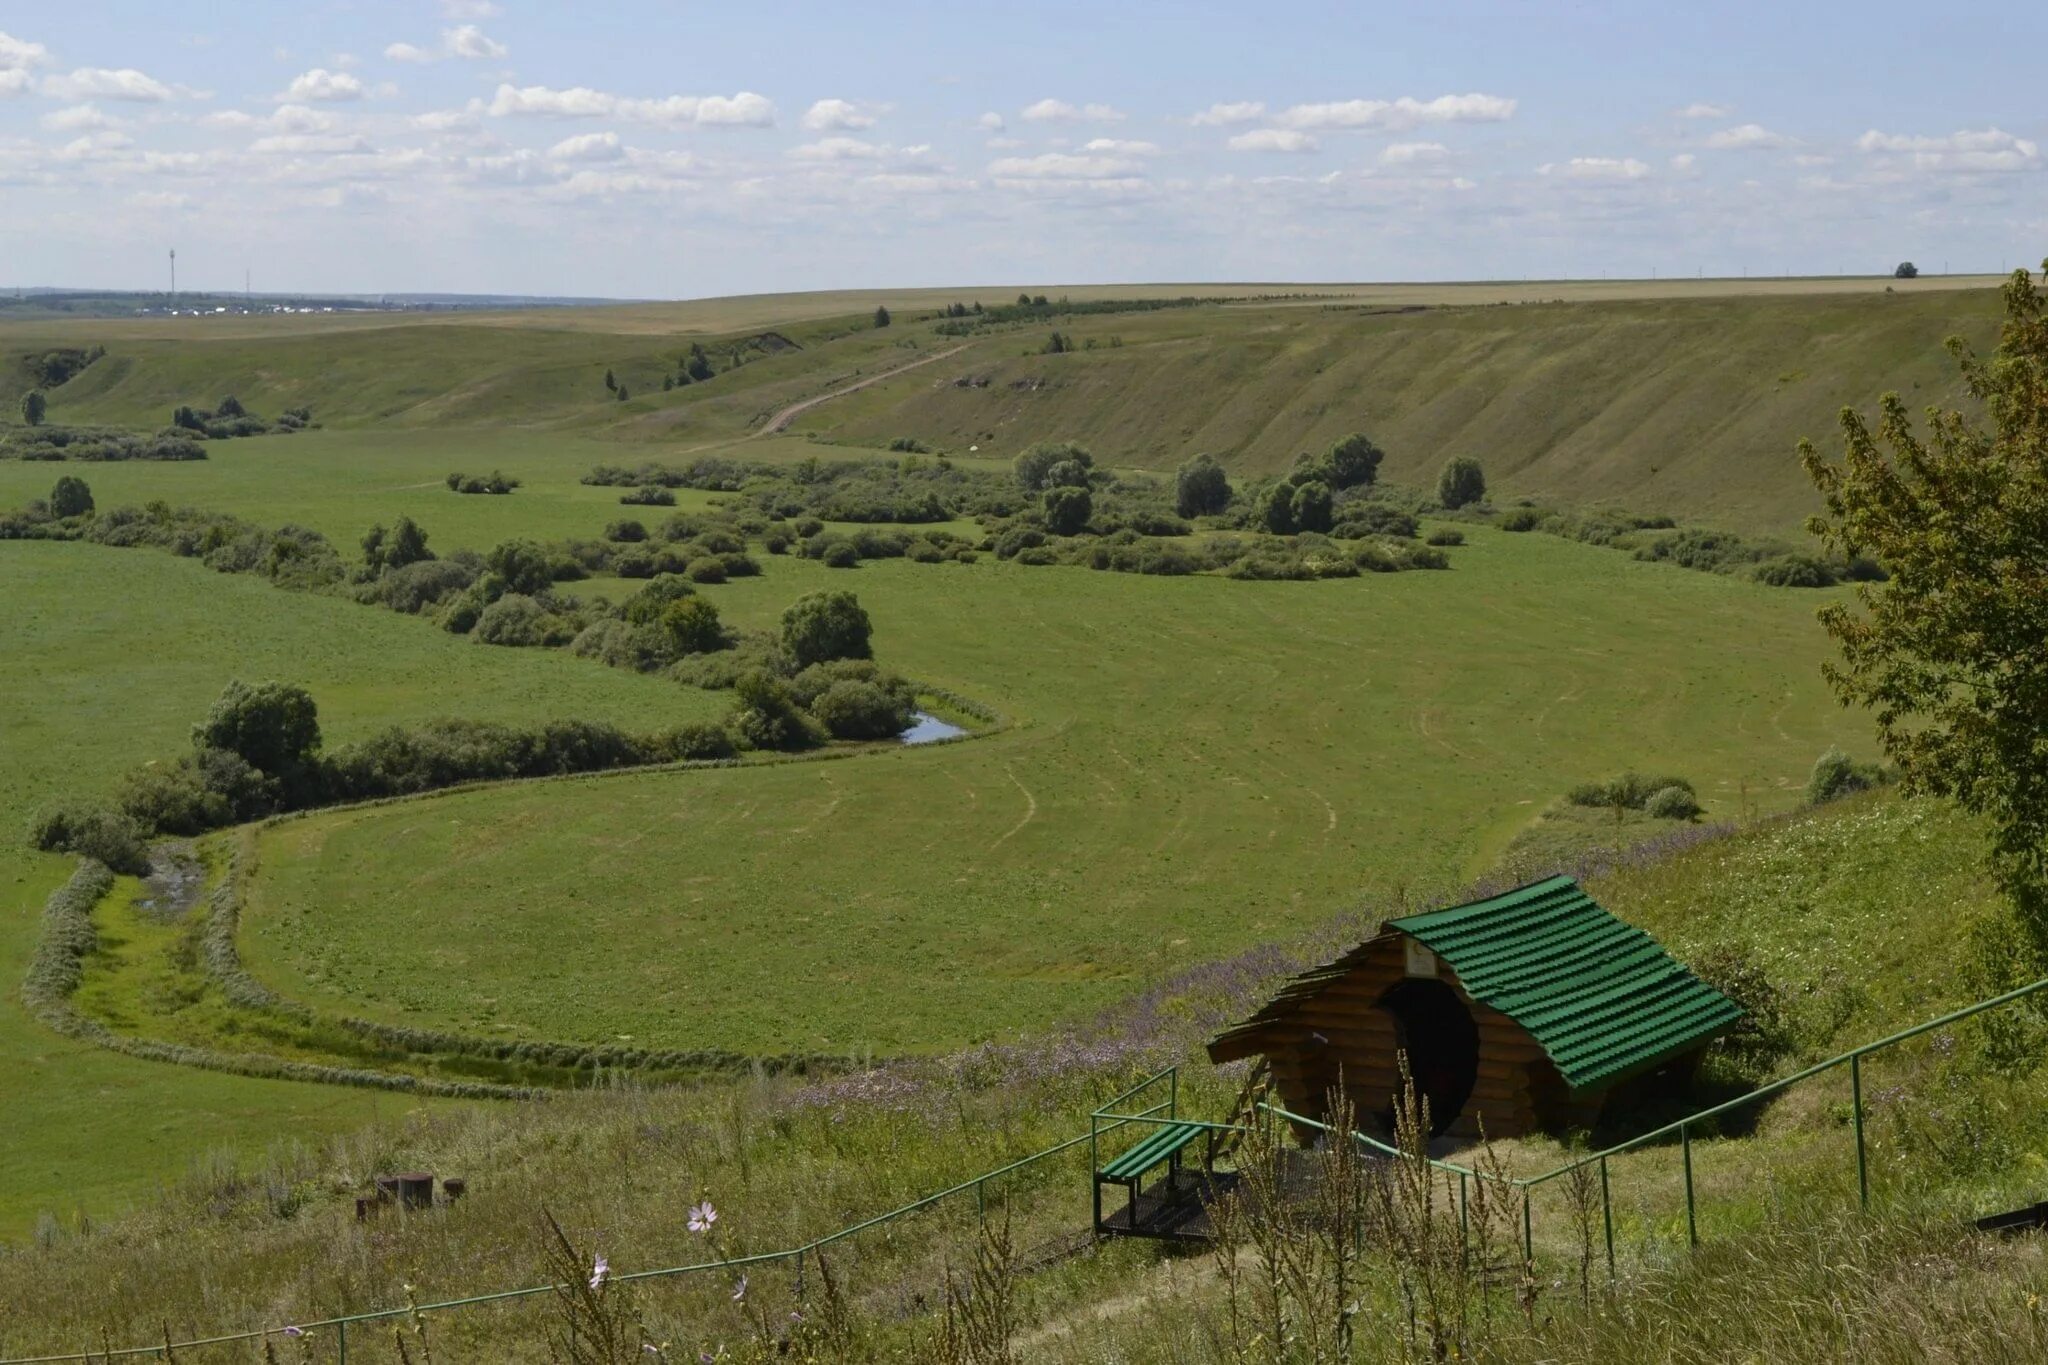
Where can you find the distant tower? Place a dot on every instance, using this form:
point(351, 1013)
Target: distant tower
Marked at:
point(174, 272)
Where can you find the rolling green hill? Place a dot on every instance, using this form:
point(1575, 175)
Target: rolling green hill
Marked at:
point(1682, 405)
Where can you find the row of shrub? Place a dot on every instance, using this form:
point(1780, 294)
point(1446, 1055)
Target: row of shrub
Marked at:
point(1661, 540)
point(99, 445)
point(230, 419)
point(1665, 798)
point(493, 482)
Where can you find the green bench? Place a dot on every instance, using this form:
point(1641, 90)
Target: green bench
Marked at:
point(1162, 1145)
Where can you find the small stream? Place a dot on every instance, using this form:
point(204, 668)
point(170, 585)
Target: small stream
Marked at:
point(926, 728)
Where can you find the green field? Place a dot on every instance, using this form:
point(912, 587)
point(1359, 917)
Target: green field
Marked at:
point(1198, 765)
point(1194, 765)
point(1683, 400)
point(111, 656)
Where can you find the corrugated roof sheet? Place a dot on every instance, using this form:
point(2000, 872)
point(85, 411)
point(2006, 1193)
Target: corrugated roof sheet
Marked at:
point(1602, 998)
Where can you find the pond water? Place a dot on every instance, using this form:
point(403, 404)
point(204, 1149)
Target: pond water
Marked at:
point(925, 728)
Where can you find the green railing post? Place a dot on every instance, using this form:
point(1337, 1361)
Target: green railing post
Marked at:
point(1856, 1108)
point(800, 1272)
point(341, 1340)
point(1692, 1227)
point(1607, 1216)
point(1528, 1232)
point(1173, 1093)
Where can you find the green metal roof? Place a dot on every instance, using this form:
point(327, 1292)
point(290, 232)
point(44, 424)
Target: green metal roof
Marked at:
point(1602, 998)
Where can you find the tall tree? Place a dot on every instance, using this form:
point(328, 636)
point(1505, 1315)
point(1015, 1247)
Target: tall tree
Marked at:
point(33, 406)
point(881, 316)
point(1949, 652)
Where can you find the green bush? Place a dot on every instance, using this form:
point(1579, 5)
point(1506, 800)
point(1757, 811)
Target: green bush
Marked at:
point(1836, 775)
point(1631, 789)
point(862, 710)
point(697, 740)
point(707, 570)
point(273, 726)
point(625, 532)
point(517, 620)
point(647, 606)
point(1766, 1034)
point(93, 832)
point(766, 715)
point(1671, 803)
point(691, 626)
point(1445, 535)
point(70, 498)
point(1067, 510)
point(1358, 520)
point(1523, 518)
point(1034, 467)
point(1796, 571)
point(1352, 462)
point(1462, 482)
point(1313, 508)
point(826, 625)
point(1201, 488)
point(522, 565)
point(840, 554)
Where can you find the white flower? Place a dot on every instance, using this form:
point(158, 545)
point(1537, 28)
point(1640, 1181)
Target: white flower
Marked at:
point(600, 1271)
point(702, 1217)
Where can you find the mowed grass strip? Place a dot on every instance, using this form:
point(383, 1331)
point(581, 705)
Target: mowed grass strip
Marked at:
point(110, 657)
point(1200, 765)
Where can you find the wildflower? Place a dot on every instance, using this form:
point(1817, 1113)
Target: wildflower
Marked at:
point(295, 1331)
point(600, 1271)
point(702, 1217)
point(740, 1290)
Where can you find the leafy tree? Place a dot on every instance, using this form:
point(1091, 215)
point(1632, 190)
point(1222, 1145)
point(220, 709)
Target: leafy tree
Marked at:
point(1201, 487)
point(827, 625)
point(33, 406)
point(767, 716)
point(1038, 301)
point(273, 726)
point(1067, 474)
point(651, 603)
point(698, 366)
point(1948, 651)
point(1462, 482)
point(1906, 270)
point(183, 416)
point(1067, 510)
point(1313, 507)
point(1034, 467)
point(373, 547)
point(230, 406)
point(881, 316)
point(692, 626)
point(522, 565)
point(668, 382)
point(1276, 509)
point(70, 498)
point(611, 382)
point(1023, 300)
point(1351, 463)
point(408, 545)
point(623, 394)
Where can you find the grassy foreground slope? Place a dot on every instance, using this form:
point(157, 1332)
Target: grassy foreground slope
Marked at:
point(1199, 765)
point(1686, 404)
point(110, 657)
point(1783, 1260)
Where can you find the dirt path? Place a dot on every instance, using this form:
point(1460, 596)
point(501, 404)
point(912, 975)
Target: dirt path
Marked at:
point(789, 414)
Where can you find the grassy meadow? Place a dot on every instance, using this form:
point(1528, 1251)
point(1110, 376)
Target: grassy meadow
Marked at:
point(1195, 765)
point(1191, 767)
point(112, 656)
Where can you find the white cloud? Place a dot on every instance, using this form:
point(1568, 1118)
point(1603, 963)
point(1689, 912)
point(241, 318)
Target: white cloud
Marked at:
point(1223, 115)
point(676, 111)
point(323, 85)
point(588, 147)
point(1059, 111)
point(1414, 153)
point(1684, 161)
point(96, 82)
point(448, 120)
point(309, 144)
point(470, 9)
point(79, 118)
point(990, 122)
point(837, 149)
point(470, 43)
point(832, 115)
point(1748, 137)
point(1597, 168)
point(406, 52)
point(18, 54)
point(1701, 109)
point(1401, 114)
point(1061, 166)
point(1989, 149)
point(1114, 146)
point(14, 82)
point(1272, 140)
point(297, 118)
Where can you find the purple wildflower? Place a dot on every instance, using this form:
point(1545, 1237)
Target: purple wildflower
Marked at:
point(740, 1290)
point(600, 1271)
point(702, 1217)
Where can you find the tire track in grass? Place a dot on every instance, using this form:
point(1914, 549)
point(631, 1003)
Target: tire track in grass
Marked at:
point(1030, 810)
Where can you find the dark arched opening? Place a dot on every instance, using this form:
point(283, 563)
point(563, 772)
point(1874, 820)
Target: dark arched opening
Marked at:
point(1433, 1026)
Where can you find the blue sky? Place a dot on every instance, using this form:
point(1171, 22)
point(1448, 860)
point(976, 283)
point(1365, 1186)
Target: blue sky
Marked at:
point(681, 149)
